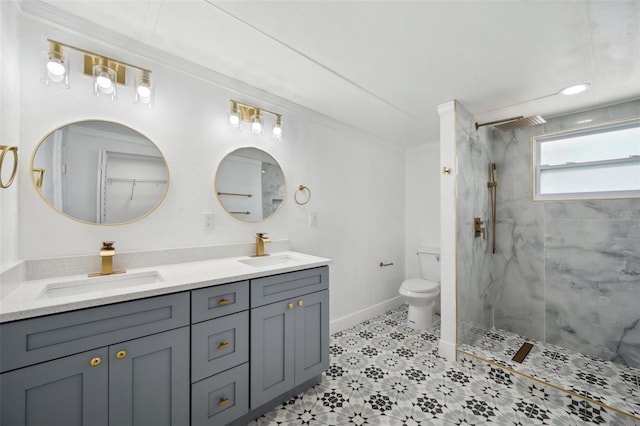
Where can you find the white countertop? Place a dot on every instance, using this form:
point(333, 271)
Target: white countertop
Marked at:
point(26, 300)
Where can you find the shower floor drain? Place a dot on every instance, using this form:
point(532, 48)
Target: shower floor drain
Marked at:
point(522, 352)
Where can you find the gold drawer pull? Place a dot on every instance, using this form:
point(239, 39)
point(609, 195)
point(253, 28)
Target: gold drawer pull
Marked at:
point(223, 401)
point(300, 303)
point(224, 345)
point(290, 306)
point(223, 302)
point(95, 361)
point(121, 354)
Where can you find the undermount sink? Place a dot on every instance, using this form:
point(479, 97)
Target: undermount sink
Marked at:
point(97, 284)
point(259, 262)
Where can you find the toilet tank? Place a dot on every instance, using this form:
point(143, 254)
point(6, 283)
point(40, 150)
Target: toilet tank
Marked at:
point(429, 258)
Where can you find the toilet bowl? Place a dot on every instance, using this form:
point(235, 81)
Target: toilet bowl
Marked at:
point(421, 293)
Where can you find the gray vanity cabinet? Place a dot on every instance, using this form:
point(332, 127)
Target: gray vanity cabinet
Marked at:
point(134, 369)
point(149, 380)
point(219, 354)
point(290, 337)
point(69, 391)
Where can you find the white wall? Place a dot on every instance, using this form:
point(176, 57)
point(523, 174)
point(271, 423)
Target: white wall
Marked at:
point(9, 128)
point(422, 193)
point(357, 182)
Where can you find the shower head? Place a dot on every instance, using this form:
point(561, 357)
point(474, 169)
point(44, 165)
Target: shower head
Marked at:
point(514, 122)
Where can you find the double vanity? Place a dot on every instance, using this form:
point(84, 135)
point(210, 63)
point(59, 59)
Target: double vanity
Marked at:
point(212, 342)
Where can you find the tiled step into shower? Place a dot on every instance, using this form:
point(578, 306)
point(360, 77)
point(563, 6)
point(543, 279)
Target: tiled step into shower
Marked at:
point(607, 384)
point(385, 373)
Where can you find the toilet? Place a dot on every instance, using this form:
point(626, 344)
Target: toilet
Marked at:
point(421, 293)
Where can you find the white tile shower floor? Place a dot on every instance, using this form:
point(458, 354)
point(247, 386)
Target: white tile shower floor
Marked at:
point(385, 373)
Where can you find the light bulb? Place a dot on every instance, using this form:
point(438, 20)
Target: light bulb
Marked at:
point(104, 81)
point(144, 91)
point(234, 120)
point(256, 123)
point(277, 129)
point(55, 68)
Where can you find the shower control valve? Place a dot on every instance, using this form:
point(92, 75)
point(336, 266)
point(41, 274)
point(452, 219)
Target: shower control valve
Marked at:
point(478, 228)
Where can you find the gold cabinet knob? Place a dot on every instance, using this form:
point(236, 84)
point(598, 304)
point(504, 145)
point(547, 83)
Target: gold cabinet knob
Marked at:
point(300, 303)
point(224, 345)
point(223, 302)
point(95, 361)
point(290, 306)
point(223, 401)
point(121, 354)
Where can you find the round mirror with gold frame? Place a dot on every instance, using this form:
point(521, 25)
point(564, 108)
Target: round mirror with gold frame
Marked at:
point(100, 172)
point(250, 184)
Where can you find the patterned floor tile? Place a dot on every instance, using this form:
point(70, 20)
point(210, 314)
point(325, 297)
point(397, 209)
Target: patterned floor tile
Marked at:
point(385, 373)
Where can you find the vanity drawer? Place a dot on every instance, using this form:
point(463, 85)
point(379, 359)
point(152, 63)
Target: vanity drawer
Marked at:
point(219, 300)
point(222, 398)
point(285, 286)
point(219, 344)
point(35, 340)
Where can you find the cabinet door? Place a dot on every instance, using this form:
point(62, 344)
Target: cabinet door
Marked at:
point(65, 392)
point(272, 346)
point(149, 380)
point(311, 335)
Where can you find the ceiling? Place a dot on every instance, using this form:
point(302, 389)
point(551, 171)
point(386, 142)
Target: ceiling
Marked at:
point(385, 66)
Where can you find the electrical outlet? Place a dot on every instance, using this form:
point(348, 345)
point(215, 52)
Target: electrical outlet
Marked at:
point(313, 219)
point(207, 220)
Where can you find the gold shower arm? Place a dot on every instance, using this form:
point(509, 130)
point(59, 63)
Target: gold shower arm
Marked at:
point(478, 125)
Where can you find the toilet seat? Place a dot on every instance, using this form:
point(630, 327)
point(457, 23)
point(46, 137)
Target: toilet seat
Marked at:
point(418, 285)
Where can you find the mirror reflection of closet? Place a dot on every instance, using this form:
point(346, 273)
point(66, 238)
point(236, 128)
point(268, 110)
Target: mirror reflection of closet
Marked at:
point(250, 184)
point(100, 172)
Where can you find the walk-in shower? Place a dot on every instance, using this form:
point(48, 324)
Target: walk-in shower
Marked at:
point(562, 275)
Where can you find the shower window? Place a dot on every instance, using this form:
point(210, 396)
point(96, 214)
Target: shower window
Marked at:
point(590, 163)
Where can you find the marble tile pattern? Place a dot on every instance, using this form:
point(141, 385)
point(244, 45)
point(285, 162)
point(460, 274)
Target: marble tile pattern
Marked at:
point(473, 254)
point(601, 381)
point(565, 272)
point(385, 373)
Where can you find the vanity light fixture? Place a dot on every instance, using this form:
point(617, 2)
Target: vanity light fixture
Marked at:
point(144, 89)
point(239, 113)
point(104, 79)
point(277, 129)
point(256, 123)
point(55, 67)
point(106, 73)
point(234, 116)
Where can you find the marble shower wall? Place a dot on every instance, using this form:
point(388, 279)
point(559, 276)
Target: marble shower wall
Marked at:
point(566, 272)
point(473, 254)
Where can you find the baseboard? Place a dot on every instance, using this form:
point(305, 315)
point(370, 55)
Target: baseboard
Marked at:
point(364, 314)
point(447, 350)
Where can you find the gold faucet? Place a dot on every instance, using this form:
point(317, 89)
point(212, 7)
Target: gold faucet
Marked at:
point(261, 238)
point(107, 252)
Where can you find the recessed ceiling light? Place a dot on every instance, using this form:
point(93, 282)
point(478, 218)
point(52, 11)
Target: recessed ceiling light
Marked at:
point(575, 89)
